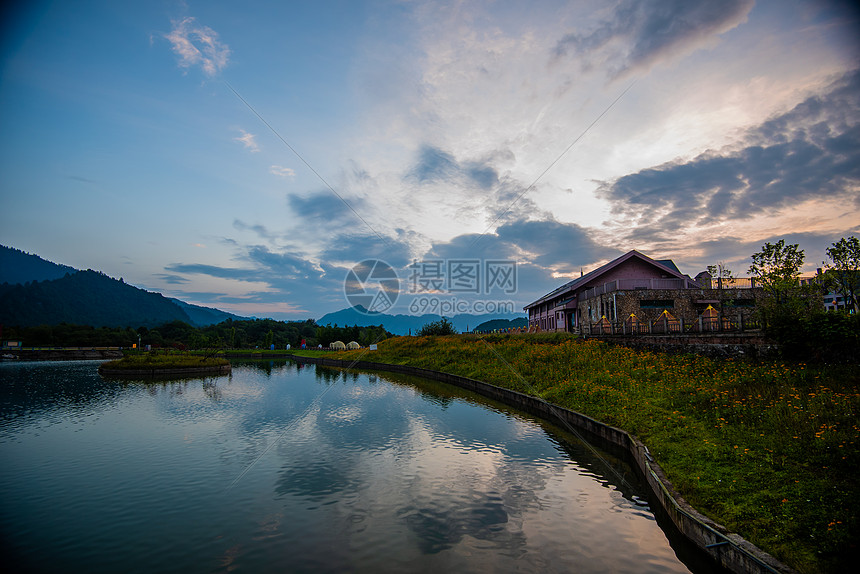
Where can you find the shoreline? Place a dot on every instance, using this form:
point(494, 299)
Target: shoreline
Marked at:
point(727, 549)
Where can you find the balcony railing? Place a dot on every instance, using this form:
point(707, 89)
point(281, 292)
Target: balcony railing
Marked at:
point(737, 283)
point(665, 326)
point(635, 284)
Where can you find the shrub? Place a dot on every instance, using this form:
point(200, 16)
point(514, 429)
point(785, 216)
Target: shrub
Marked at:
point(440, 327)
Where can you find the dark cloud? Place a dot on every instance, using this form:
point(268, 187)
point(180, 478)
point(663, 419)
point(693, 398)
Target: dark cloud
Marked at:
point(811, 151)
point(258, 229)
point(561, 247)
point(472, 246)
point(323, 207)
point(281, 265)
point(355, 247)
point(215, 271)
point(642, 32)
point(436, 165)
point(565, 246)
point(172, 279)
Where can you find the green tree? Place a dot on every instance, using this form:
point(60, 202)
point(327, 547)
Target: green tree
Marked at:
point(776, 268)
point(843, 271)
point(721, 276)
point(440, 327)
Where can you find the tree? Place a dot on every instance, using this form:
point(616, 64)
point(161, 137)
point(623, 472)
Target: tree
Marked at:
point(843, 271)
point(440, 327)
point(776, 268)
point(723, 275)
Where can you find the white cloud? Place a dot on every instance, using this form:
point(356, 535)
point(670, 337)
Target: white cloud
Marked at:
point(248, 140)
point(198, 45)
point(282, 171)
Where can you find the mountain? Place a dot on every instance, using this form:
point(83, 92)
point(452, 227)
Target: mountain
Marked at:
point(85, 298)
point(34, 291)
point(16, 266)
point(404, 324)
point(205, 316)
point(497, 324)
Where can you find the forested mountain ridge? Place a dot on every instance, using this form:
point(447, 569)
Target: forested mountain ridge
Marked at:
point(34, 291)
point(85, 298)
point(204, 316)
point(17, 266)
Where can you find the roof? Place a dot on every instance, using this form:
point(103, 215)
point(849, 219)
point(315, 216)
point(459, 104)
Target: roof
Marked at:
point(667, 265)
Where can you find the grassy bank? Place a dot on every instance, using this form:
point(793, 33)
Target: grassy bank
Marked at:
point(770, 450)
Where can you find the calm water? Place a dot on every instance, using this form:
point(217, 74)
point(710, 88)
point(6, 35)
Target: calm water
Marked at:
point(278, 468)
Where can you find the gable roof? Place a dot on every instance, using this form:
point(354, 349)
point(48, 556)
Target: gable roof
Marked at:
point(666, 265)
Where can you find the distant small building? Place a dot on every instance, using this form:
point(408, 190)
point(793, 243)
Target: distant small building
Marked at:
point(641, 292)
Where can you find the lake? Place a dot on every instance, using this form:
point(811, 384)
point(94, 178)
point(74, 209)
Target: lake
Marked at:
point(280, 467)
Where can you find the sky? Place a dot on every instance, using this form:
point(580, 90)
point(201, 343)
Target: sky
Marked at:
point(248, 155)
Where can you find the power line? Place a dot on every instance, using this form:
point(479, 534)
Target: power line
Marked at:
point(302, 159)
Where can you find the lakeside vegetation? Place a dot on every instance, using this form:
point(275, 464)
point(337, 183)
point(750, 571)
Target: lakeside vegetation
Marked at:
point(163, 361)
point(769, 450)
point(229, 334)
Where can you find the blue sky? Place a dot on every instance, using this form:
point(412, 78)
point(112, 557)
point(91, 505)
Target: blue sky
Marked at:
point(556, 134)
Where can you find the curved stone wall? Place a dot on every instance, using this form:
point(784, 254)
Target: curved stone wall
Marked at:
point(727, 549)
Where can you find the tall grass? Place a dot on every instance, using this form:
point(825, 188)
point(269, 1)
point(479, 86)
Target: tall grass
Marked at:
point(770, 450)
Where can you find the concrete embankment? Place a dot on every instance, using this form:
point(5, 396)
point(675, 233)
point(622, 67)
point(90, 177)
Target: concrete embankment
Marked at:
point(727, 549)
point(62, 354)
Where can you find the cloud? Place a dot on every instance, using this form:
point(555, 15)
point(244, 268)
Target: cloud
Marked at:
point(282, 171)
point(248, 140)
point(436, 165)
point(540, 249)
point(282, 266)
point(198, 45)
point(555, 245)
point(238, 274)
point(351, 247)
point(324, 207)
point(810, 152)
point(258, 229)
point(641, 33)
point(172, 279)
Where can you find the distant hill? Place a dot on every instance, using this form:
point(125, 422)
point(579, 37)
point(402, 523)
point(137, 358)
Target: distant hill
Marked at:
point(85, 298)
point(497, 324)
point(403, 324)
point(205, 316)
point(34, 291)
point(16, 266)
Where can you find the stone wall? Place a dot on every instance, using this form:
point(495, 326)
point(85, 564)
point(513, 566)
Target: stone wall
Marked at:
point(713, 540)
point(752, 345)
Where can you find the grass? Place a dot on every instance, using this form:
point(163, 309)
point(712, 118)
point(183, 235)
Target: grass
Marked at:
point(172, 360)
point(770, 449)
